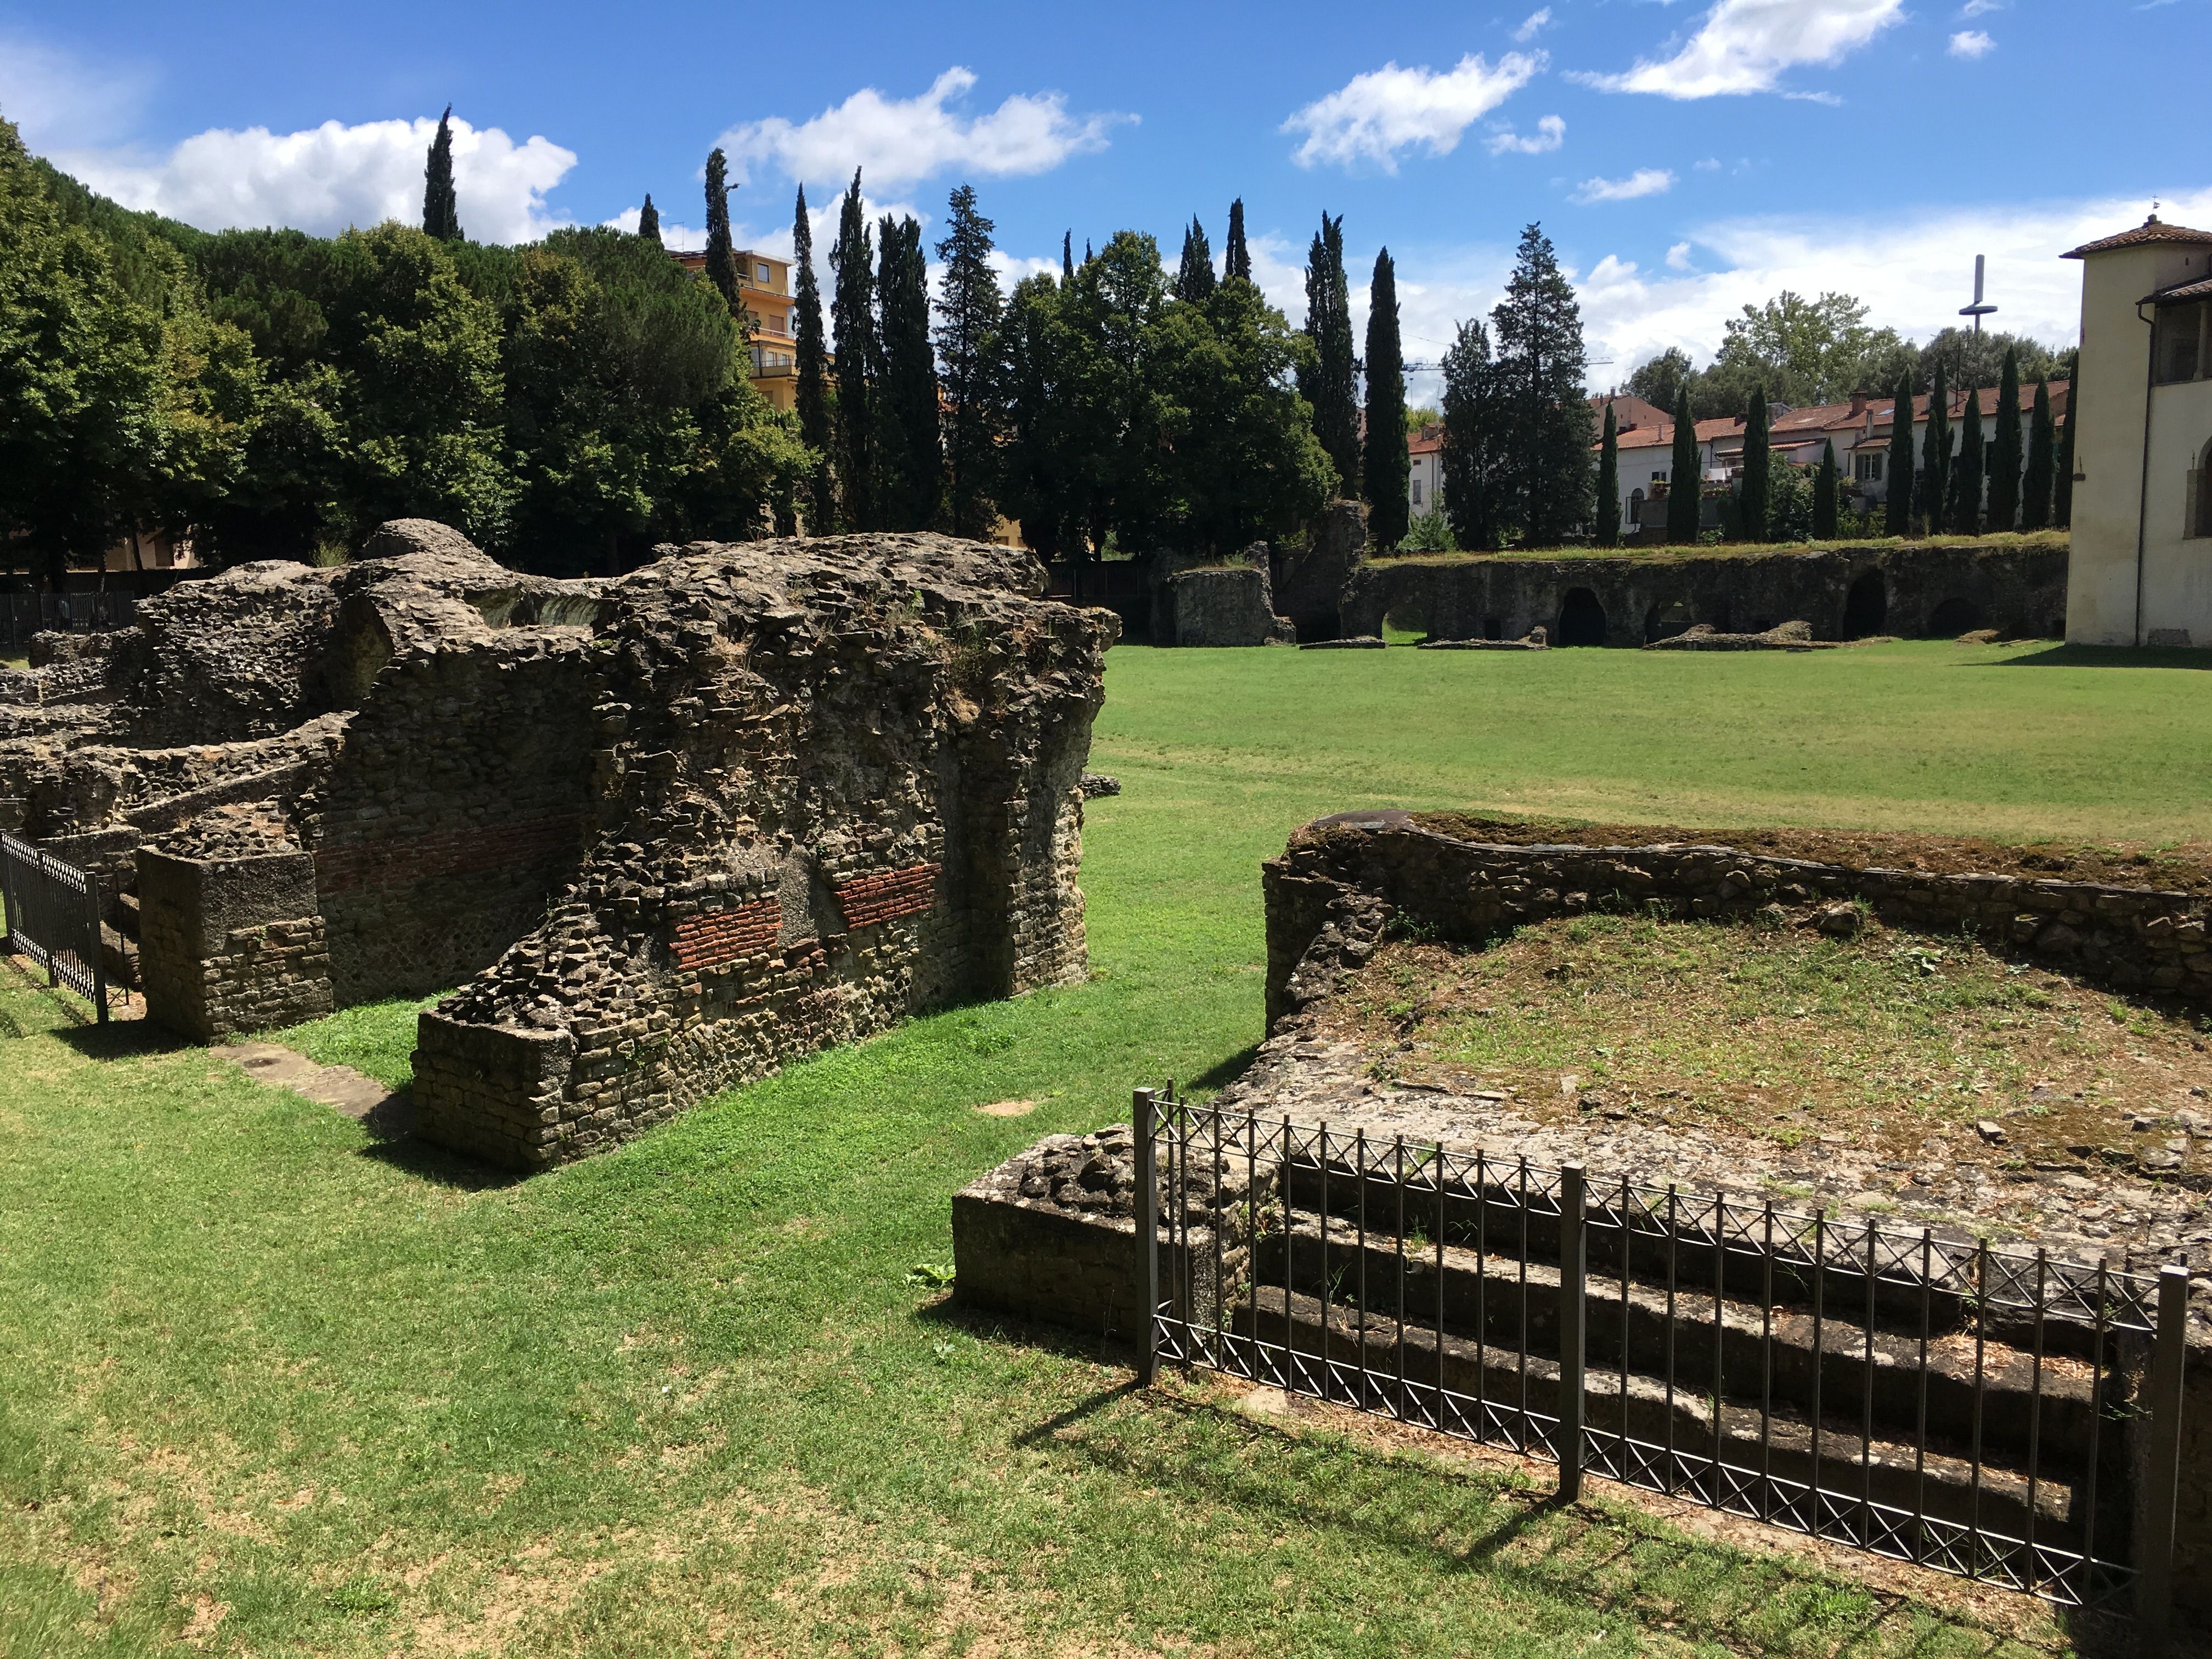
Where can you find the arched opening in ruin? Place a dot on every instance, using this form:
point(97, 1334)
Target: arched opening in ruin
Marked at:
point(1865, 607)
point(1953, 617)
point(1582, 619)
point(1402, 624)
point(1665, 619)
point(1492, 629)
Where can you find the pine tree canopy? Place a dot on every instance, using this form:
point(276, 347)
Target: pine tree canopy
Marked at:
point(1328, 386)
point(721, 257)
point(1607, 533)
point(648, 220)
point(1194, 274)
point(1385, 464)
point(811, 362)
point(967, 348)
point(1470, 412)
point(2042, 443)
point(1897, 505)
point(2003, 460)
point(1236, 257)
point(1684, 487)
point(1542, 436)
point(441, 214)
point(853, 315)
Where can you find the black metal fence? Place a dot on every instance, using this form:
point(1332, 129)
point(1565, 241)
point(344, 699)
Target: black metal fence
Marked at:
point(22, 615)
point(53, 918)
point(2000, 1415)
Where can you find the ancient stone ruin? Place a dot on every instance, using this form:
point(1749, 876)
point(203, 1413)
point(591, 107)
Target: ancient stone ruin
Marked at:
point(671, 829)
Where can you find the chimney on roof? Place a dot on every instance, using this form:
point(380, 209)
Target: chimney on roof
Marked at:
point(1859, 401)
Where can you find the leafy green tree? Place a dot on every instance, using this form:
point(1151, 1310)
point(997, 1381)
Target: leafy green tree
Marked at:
point(1038, 484)
point(912, 464)
point(1802, 351)
point(1965, 483)
point(1757, 468)
point(1826, 487)
point(1606, 532)
point(1660, 381)
point(648, 220)
point(441, 213)
point(853, 314)
point(968, 351)
point(811, 357)
point(1542, 435)
point(1329, 384)
point(1469, 458)
point(1385, 464)
point(1935, 456)
point(1195, 271)
point(1897, 506)
point(721, 257)
point(1684, 487)
point(1119, 438)
point(1236, 257)
point(2035, 490)
point(2004, 448)
point(1968, 358)
point(2062, 479)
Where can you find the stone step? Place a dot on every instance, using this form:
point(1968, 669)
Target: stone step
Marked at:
point(1941, 1484)
point(1484, 1300)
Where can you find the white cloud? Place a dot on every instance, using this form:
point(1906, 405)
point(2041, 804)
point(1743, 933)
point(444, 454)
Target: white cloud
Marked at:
point(332, 176)
point(1551, 132)
point(1971, 44)
point(1375, 115)
point(1645, 181)
point(898, 142)
point(1678, 257)
point(672, 234)
point(1533, 24)
point(58, 100)
point(1980, 8)
point(1711, 164)
point(1746, 45)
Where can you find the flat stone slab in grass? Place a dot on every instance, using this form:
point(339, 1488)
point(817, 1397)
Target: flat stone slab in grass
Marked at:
point(1364, 642)
point(387, 1113)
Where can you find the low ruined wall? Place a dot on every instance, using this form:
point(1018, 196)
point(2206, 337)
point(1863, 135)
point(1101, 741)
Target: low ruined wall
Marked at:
point(228, 945)
point(1226, 604)
point(2130, 939)
point(1632, 600)
point(1311, 576)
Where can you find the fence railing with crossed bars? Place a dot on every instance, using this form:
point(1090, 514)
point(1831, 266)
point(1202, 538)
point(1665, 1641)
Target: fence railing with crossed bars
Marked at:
point(53, 918)
point(2003, 1415)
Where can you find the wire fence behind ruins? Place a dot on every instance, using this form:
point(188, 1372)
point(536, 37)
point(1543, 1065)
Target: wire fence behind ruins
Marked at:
point(1997, 1414)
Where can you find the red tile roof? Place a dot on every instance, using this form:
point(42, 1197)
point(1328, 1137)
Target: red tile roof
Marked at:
point(2183, 295)
point(2152, 229)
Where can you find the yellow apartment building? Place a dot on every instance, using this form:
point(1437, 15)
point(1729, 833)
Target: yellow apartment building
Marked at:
point(765, 293)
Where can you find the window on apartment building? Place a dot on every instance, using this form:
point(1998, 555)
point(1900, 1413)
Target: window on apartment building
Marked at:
point(1867, 469)
point(759, 273)
point(1417, 492)
point(2178, 350)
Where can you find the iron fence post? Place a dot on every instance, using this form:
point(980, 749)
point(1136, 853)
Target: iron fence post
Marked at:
point(1148, 1238)
point(1573, 1284)
point(2161, 1478)
point(99, 950)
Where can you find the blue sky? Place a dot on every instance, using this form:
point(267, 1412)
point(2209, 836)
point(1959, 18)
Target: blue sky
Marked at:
point(1685, 157)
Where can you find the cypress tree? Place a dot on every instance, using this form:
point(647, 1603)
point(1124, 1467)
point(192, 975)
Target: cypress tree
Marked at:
point(1385, 463)
point(912, 466)
point(853, 314)
point(967, 348)
point(1897, 505)
point(1936, 455)
point(1328, 386)
point(648, 220)
point(1757, 469)
point(2035, 488)
point(1966, 482)
point(1236, 257)
point(812, 363)
point(1684, 496)
point(721, 257)
point(1067, 255)
point(1607, 530)
point(1194, 276)
point(1470, 404)
point(441, 212)
point(2062, 478)
point(2004, 447)
point(1825, 489)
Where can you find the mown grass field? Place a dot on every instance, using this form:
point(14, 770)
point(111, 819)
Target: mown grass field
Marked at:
point(266, 1388)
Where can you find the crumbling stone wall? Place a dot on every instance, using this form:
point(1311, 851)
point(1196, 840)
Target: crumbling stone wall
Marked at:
point(230, 938)
point(1311, 577)
point(1226, 604)
point(1916, 592)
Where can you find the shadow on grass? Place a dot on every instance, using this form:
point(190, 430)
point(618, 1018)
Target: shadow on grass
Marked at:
point(123, 1039)
point(438, 1167)
point(2102, 656)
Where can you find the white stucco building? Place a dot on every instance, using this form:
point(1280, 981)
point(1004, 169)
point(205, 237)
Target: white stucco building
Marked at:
point(2141, 570)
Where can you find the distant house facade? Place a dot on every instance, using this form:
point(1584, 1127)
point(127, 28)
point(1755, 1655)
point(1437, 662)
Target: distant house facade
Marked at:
point(2141, 567)
point(765, 292)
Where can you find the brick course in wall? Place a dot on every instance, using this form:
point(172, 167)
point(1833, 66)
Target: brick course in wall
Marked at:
point(868, 901)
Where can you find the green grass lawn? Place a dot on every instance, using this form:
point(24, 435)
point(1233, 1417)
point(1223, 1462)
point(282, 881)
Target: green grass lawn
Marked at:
point(268, 1388)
